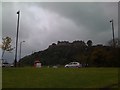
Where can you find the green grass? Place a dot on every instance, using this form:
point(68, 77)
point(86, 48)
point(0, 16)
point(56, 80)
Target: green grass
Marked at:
point(59, 77)
point(0, 78)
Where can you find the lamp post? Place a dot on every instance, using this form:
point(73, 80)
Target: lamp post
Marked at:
point(111, 21)
point(20, 49)
point(15, 62)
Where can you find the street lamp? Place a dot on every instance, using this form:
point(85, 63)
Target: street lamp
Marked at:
point(20, 49)
point(15, 62)
point(111, 21)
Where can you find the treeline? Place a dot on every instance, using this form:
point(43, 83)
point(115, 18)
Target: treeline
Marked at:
point(64, 52)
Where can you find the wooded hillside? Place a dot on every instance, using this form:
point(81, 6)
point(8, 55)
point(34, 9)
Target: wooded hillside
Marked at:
point(64, 52)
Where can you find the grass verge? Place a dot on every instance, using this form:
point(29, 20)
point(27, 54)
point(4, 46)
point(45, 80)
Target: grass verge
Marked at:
point(59, 77)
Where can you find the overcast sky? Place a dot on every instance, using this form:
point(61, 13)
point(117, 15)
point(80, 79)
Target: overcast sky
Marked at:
point(42, 24)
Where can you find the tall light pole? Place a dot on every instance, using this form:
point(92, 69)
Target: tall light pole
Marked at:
point(20, 49)
point(15, 62)
point(111, 21)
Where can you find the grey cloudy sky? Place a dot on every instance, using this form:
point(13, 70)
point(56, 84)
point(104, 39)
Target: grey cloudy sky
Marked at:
point(41, 24)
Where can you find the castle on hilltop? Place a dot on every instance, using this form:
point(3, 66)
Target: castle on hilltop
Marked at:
point(67, 43)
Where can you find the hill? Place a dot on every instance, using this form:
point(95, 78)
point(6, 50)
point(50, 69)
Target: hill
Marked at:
point(64, 52)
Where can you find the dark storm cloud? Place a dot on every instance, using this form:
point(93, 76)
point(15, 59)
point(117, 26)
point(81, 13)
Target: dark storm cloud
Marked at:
point(44, 23)
point(94, 16)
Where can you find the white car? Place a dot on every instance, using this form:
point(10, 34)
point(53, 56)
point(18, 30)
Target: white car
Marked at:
point(73, 64)
point(7, 65)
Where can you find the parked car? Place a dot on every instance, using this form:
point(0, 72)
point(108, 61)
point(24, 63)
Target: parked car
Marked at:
point(73, 64)
point(7, 64)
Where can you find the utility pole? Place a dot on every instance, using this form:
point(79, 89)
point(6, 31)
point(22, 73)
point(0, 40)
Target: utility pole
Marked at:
point(20, 49)
point(15, 62)
point(111, 21)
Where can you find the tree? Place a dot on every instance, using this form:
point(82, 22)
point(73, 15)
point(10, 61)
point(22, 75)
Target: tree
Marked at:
point(89, 43)
point(6, 45)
